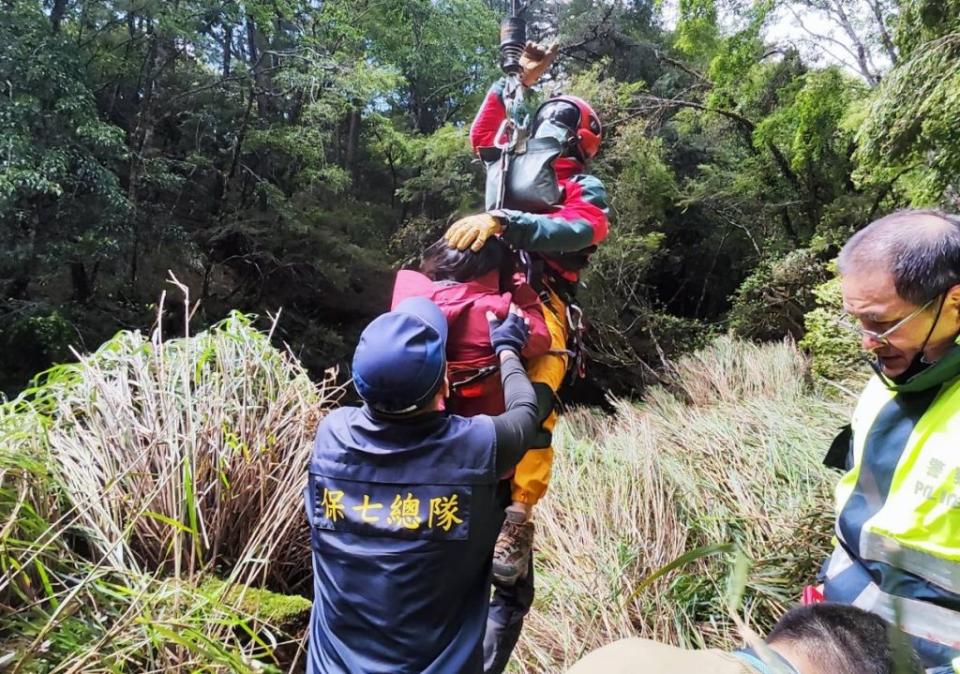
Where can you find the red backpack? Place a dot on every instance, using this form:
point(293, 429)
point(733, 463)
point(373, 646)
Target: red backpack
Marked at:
point(471, 362)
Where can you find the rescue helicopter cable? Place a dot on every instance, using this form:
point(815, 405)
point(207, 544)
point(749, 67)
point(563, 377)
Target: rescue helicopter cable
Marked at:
point(512, 133)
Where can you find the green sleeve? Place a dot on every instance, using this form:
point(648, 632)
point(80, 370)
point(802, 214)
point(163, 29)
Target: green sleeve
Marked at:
point(543, 233)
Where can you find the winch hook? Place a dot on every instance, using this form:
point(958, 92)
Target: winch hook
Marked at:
point(513, 37)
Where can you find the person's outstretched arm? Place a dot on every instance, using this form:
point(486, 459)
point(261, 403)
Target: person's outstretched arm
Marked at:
point(536, 59)
point(516, 427)
point(580, 221)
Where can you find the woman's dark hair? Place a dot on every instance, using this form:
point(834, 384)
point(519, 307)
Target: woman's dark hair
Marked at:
point(440, 262)
point(846, 640)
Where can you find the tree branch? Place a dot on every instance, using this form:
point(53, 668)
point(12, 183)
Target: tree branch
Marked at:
point(858, 51)
point(885, 38)
point(745, 123)
point(663, 58)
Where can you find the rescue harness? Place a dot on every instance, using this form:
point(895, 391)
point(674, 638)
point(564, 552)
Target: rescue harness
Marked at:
point(520, 173)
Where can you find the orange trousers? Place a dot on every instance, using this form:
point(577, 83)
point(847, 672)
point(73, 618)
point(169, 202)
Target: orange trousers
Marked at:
point(546, 374)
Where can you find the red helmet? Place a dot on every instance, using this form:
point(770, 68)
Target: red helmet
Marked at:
point(575, 114)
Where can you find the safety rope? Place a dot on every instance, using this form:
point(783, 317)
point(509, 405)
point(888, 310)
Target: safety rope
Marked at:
point(511, 136)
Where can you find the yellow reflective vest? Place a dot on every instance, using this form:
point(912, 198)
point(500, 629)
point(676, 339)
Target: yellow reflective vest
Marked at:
point(898, 510)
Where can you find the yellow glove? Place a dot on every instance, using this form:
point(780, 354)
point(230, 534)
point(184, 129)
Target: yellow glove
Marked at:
point(535, 61)
point(472, 231)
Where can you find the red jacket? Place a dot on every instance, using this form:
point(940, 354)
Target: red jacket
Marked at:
point(468, 342)
point(565, 236)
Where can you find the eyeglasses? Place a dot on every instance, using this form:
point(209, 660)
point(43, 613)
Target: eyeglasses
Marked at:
point(848, 322)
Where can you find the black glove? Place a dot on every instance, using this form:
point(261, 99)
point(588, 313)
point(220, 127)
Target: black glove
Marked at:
point(510, 333)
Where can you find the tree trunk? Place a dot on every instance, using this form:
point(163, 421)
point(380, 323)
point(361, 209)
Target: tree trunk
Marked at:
point(23, 272)
point(884, 33)
point(142, 137)
point(82, 288)
point(255, 57)
point(227, 49)
point(864, 62)
point(353, 140)
point(56, 15)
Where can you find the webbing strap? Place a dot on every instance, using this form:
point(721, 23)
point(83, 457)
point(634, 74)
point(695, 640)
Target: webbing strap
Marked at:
point(780, 665)
point(513, 127)
point(478, 374)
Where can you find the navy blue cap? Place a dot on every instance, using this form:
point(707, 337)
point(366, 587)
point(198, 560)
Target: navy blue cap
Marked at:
point(400, 360)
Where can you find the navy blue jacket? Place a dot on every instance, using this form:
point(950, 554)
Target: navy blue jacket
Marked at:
point(404, 519)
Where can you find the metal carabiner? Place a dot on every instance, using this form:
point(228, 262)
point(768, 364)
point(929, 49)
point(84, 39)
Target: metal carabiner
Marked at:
point(510, 132)
point(574, 317)
point(506, 128)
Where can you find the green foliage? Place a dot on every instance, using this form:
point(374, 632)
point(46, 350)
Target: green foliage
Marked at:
point(48, 333)
point(749, 161)
point(735, 57)
point(414, 237)
point(908, 138)
point(923, 21)
point(607, 95)
point(812, 125)
point(258, 148)
point(60, 194)
point(697, 30)
point(644, 186)
point(909, 129)
point(32, 337)
point(616, 282)
point(446, 171)
point(444, 53)
point(774, 299)
point(289, 612)
point(834, 352)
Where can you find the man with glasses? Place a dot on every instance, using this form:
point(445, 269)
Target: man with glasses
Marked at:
point(897, 548)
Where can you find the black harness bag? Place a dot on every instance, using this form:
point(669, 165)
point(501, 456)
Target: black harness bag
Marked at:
point(530, 182)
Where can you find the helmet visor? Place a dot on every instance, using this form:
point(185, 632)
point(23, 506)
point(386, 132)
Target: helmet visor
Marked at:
point(562, 113)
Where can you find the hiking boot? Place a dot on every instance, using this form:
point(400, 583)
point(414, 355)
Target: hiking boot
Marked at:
point(511, 556)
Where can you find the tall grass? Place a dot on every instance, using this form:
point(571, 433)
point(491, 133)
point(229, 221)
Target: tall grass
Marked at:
point(129, 478)
point(148, 490)
point(728, 454)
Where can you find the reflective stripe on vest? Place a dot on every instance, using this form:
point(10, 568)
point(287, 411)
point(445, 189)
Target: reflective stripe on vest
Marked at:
point(918, 527)
point(881, 547)
point(919, 619)
point(871, 401)
point(909, 500)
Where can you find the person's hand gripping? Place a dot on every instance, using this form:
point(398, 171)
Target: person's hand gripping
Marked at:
point(472, 231)
point(509, 333)
point(536, 60)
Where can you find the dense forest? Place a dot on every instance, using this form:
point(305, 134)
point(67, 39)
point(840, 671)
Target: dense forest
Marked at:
point(290, 154)
point(195, 162)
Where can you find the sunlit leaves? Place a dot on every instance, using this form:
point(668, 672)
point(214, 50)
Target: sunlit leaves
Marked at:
point(697, 30)
point(810, 126)
point(910, 129)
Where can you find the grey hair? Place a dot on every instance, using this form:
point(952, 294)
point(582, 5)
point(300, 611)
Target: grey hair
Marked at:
point(921, 248)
